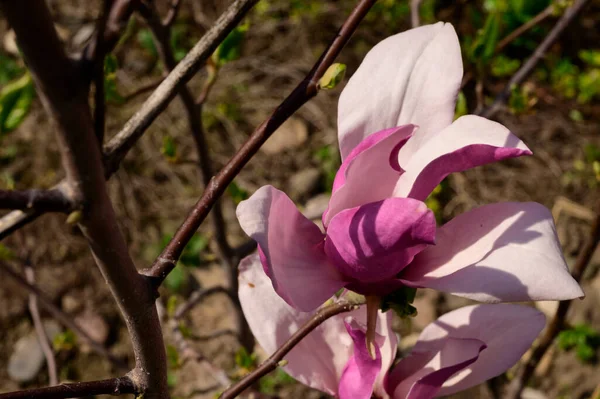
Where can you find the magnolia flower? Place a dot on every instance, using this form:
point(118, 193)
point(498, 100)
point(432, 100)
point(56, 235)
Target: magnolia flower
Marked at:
point(461, 349)
point(398, 142)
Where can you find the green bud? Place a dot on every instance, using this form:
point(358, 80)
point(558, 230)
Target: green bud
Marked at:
point(334, 75)
point(74, 217)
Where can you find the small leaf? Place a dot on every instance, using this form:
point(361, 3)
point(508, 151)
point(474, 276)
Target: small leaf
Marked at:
point(504, 66)
point(146, 40)
point(6, 253)
point(245, 360)
point(66, 340)
point(237, 193)
point(172, 303)
point(590, 57)
point(484, 47)
point(173, 357)
point(74, 217)
point(169, 148)
point(461, 106)
point(333, 76)
point(15, 103)
point(231, 48)
point(177, 280)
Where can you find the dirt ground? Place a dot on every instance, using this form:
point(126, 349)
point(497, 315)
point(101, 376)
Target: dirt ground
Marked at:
point(152, 193)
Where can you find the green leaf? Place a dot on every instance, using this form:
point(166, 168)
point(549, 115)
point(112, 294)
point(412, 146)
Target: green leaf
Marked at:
point(169, 148)
point(400, 301)
point(333, 76)
point(66, 340)
point(172, 304)
point(237, 193)
point(592, 153)
point(231, 48)
point(484, 46)
point(6, 253)
point(173, 357)
point(590, 57)
point(588, 85)
point(111, 92)
point(146, 40)
point(9, 69)
point(15, 103)
point(180, 41)
point(461, 106)
point(271, 383)
point(245, 360)
point(504, 66)
point(193, 250)
point(177, 279)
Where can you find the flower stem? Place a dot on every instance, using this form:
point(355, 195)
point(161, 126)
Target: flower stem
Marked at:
point(373, 305)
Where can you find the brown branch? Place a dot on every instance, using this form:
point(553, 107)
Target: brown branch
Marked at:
point(415, 19)
point(512, 36)
point(53, 200)
point(114, 386)
point(527, 68)
point(558, 321)
point(172, 13)
point(116, 149)
point(145, 88)
point(39, 328)
point(306, 90)
point(196, 297)
point(66, 101)
point(62, 317)
point(274, 360)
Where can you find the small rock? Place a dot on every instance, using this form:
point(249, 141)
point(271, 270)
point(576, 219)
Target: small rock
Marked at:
point(316, 206)
point(27, 358)
point(71, 303)
point(94, 325)
point(293, 133)
point(304, 182)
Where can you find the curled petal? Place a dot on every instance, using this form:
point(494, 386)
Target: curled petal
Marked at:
point(497, 253)
point(321, 357)
point(358, 377)
point(291, 249)
point(469, 142)
point(411, 77)
point(375, 241)
point(370, 172)
point(485, 340)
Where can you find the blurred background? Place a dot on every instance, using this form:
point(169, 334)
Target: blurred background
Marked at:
point(556, 112)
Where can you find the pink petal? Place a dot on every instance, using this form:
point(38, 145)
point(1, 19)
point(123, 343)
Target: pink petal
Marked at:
point(375, 241)
point(320, 358)
point(500, 252)
point(469, 142)
point(412, 77)
point(506, 330)
point(291, 249)
point(370, 172)
point(359, 375)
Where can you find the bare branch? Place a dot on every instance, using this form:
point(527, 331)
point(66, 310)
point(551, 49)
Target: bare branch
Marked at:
point(273, 361)
point(306, 90)
point(39, 328)
point(172, 13)
point(53, 200)
point(62, 317)
point(526, 69)
point(197, 297)
point(114, 386)
point(558, 321)
point(539, 18)
point(65, 99)
point(99, 96)
point(415, 6)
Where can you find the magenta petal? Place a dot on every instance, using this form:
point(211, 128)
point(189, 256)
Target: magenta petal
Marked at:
point(291, 249)
point(496, 253)
point(469, 142)
point(493, 336)
point(359, 376)
point(375, 241)
point(370, 172)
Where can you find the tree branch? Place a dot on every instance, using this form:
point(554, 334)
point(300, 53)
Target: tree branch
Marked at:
point(306, 90)
point(66, 100)
point(526, 69)
point(62, 317)
point(114, 386)
point(558, 321)
point(53, 200)
point(274, 360)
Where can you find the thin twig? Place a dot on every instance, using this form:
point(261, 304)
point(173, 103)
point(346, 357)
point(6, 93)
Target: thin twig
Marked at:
point(172, 13)
point(62, 317)
point(558, 321)
point(415, 19)
point(512, 36)
point(274, 360)
point(538, 54)
point(116, 149)
point(99, 95)
point(39, 328)
point(306, 90)
point(53, 200)
point(145, 88)
point(196, 297)
point(113, 386)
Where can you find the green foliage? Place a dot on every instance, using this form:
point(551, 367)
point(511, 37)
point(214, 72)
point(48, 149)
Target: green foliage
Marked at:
point(585, 171)
point(590, 57)
point(427, 11)
point(178, 279)
point(237, 193)
point(111, 92)
point(180, 41)
point(9, 69)
point(146, 41)
point(461, 106)
point(388, 12)
point(244, 360)
point(192, 252)
point(484, 46)
point(521, 100)
point(400, 301)
point(173, 357)
point(6, 253)
point(66, 341)
point(329, 161)
point(272, 383)
point(583, 338)
point(504, 66)
point(15, 102)
point(588, 85)
point(231, 48)
point(172, 304)
point(169, 148)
